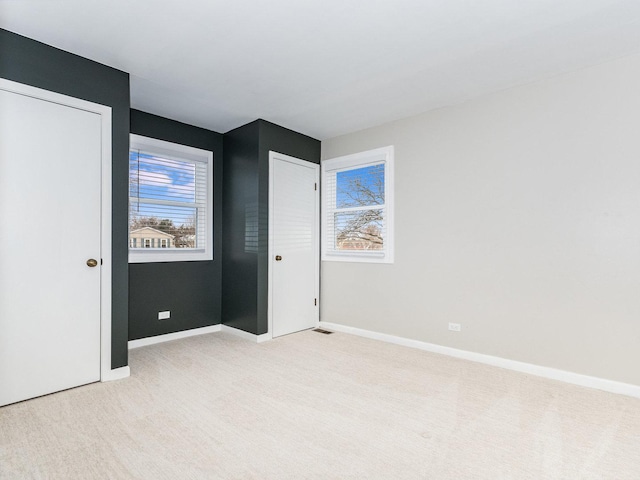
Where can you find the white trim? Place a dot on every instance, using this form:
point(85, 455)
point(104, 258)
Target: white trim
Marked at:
point(383, 155)
point(106, 207)
point(116, 374)
point(531, 369)
point(270, 253)
point(143, 342)
point(167, 337)
point(246, 335)
point(105, 271)
point(355, 160)
point(169, 150)
point(177, 151)
point(316, 247)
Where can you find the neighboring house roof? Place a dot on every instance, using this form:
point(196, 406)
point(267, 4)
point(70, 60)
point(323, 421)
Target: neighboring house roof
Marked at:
point(152, 231)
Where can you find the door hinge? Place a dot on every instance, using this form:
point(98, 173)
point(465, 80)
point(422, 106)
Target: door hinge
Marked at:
point(315, 302)
point(315, 186)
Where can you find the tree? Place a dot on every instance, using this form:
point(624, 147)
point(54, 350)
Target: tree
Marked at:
point(360, 229)
point(363, 231)
point(164, 225)
point(185, 235)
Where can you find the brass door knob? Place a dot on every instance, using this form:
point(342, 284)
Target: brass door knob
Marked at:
point(278, 258)
point(92, 262)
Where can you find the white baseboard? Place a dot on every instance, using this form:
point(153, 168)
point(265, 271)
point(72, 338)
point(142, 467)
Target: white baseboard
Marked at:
point(537, 370)
point(246, 335)
point(143, 342)
point(116, 374)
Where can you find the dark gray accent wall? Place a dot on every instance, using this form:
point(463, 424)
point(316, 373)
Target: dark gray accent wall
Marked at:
point(245, 267)
point(190, 290)
point(240, 228)
point(33, 63)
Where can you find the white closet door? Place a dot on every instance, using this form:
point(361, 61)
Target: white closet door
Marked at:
point(50, 207)
point(295, 255)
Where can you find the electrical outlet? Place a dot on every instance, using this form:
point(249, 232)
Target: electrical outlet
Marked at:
point(454, 327)
point(164, 315)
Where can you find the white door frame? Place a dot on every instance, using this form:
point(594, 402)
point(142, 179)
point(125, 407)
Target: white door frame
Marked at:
point(316, 247)
point(106, 373)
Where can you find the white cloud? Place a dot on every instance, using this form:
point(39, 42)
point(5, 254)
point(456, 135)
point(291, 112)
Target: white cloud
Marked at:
point(145, 177)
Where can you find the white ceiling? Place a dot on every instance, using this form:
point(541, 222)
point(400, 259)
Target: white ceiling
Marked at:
point(326, 67)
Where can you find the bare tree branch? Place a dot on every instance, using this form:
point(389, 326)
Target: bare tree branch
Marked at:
point(361, 230)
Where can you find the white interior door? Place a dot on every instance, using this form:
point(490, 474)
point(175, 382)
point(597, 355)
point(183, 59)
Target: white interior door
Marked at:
point(50, 226)
point(294, 247)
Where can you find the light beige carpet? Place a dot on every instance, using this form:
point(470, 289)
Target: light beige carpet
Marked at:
point(321, 407)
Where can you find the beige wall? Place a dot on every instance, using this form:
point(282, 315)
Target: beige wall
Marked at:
point(518, 216)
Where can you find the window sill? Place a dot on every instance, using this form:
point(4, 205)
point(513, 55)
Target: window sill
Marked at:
point(163, 256)
point(357, 258)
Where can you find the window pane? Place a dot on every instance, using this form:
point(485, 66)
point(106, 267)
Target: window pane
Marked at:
point(360, 230)
point(169, 201)
point(360, 187)
point(161, 178)
point(175, 225)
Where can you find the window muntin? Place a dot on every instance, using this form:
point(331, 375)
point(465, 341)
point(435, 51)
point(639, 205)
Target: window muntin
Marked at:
point(170, 211)
point(357, 203)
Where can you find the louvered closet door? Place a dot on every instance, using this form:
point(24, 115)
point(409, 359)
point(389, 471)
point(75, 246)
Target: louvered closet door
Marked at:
point(295, 255)
point(50, 175)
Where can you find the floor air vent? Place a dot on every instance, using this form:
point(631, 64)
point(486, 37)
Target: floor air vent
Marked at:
point(320, 330)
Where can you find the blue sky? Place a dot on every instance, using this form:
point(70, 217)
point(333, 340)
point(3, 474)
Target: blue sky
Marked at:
point(371, 180)
point(161, 179)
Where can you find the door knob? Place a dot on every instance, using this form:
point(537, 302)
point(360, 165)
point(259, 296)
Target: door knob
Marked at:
point(92, 262)
point(278, 258)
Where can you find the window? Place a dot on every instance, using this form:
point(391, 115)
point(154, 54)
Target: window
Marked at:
point(170, 206)
point(357, 202)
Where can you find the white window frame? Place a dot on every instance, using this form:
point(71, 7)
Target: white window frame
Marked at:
point(178, 152)
point(384, 155)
